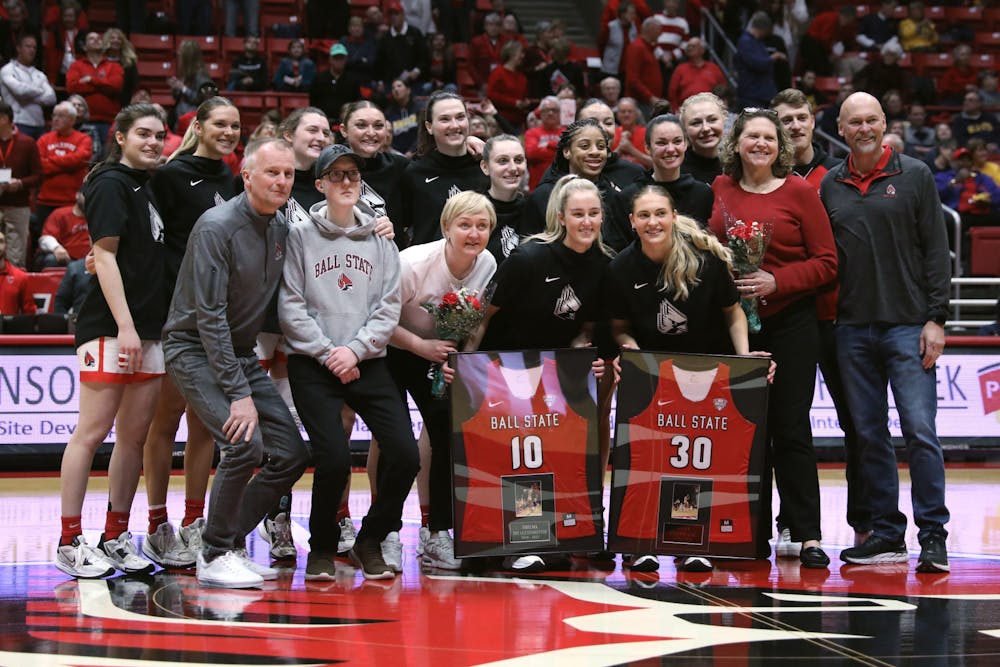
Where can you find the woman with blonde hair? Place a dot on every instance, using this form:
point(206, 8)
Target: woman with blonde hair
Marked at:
point(457, 261)
point(118, 49)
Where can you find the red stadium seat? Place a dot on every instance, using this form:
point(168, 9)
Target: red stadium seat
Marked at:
point(209, 44)
point(292, 101)
point(981, 61)
point(153, 47)
point(971, 16)
point(984, 253)
point(989, 41)
point(932, 64)
point(154, 74)
point(43, 287)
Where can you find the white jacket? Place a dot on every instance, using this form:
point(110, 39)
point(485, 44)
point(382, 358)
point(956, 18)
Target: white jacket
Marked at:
point(26, 89)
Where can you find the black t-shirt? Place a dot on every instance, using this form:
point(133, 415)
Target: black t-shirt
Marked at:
point(184, 188)
point(691, 197)
point(704, 169)
point(381, 176)
point(118, 204)
point(545, 293)
point(428, 183)
point(615, 228)
point(661, 322)
point(508, 232)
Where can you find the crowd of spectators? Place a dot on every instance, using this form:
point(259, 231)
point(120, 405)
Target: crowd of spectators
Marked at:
point(63, 80)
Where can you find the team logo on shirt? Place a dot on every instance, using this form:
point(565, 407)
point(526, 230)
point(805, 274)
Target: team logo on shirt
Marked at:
point(279, 251)
point(88, 360)
point(373, 199)
point(294, 212)
point(344, 282)
point(890, 192)
point(453, 190)
point(219, 199)
point(549, 399)
point(671, 321)
point(508, 240)
point(720, 404)
point(567, 304)
point(155, 224)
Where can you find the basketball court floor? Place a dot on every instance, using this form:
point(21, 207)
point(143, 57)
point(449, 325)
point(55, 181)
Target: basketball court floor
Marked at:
point(744, 613)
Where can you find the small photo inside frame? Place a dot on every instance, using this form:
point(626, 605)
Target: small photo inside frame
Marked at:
point(685, 512)
point(529, 510)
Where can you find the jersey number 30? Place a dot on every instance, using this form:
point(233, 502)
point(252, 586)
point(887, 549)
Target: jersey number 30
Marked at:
point(697, 454)
point(527, 451)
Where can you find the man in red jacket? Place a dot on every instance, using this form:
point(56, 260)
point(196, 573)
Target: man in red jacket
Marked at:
point(65, 236)
point(20, 172)
point(643, 78)
point(15, 299)
point(99, 81)
point(65, 154)
point(484, 50)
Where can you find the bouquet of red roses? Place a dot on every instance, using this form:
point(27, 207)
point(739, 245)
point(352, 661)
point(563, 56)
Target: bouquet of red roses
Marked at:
point(455, 318)
point(748, 242)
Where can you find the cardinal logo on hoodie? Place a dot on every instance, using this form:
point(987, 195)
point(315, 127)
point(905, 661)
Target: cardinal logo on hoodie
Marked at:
point(344, 282)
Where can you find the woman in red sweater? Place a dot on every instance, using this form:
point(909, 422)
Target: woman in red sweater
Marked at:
point(508, 88)
point(756, 186)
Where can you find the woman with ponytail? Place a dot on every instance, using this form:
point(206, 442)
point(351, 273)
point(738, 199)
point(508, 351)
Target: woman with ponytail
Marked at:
point(193, 180)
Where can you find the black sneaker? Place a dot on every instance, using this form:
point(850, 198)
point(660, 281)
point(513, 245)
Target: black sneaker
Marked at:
point(875, 550)
point(933, 555)
point(367, 554)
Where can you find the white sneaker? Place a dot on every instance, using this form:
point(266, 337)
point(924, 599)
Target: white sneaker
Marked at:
point(226, 571)
point(278, 533)
point(263, 571)
point(439, 552)
point(392, 551)
point(123, 554)
point(348, 536)
point(191, 535)
point(164, 548)
point(784, 547)
point(423, 535)
point(82, 561)
point(530, 563)
point(641, 562)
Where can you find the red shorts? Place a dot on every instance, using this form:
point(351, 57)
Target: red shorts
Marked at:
point(270, 349)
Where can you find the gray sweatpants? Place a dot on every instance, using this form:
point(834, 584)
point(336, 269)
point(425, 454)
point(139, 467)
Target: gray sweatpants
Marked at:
point(239, 498)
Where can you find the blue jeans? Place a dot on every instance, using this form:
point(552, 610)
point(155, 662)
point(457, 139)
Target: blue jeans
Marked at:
point(872, 356)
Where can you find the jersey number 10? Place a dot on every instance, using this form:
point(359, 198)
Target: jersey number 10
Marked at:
point(528, 451)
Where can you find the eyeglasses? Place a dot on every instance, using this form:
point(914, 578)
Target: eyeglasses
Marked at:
point(338, 175)
point(752, 111)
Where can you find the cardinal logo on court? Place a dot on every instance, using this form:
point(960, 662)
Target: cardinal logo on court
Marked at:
point(344, 282)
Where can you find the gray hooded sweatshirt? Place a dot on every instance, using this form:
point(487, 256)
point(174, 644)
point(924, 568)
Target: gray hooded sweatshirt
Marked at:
point(340, 287)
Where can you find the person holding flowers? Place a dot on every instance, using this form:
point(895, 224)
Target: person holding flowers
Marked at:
point(430, 272)
point(800, 257)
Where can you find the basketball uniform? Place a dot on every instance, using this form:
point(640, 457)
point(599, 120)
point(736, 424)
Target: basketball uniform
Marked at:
point(675, 436)
point(528, 432)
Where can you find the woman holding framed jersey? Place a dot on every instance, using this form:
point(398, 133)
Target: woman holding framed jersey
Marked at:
point(800, 258)
point(672, 289)
point(552, 280)
point(429, 271)
point(118, 344)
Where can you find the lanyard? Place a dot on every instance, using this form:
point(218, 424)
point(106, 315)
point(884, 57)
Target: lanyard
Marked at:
point(6, 154)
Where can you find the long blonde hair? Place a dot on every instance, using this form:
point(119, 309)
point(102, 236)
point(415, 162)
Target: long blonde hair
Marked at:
point(128, 56)
point(566, 186)
point(688, 244)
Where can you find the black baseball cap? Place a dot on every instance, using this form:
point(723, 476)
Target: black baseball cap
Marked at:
point(330, 155)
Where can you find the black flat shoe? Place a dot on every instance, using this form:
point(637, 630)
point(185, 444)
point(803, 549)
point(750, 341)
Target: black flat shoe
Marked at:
point(814, 557)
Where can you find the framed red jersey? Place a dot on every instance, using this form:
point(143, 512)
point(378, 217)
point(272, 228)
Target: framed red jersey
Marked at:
point(525, 458)
point(689, 457)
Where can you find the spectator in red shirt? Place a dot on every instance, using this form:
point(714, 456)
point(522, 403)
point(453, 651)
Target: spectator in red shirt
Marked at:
point(694, 75)
point(65, 153)
point(827, 38)
point(99, 81)
point(15, 299)
point(485, 50)
point(64, 238)
point(508, 88)
point(959, 78)
point(644, 80)
point(540, 142)
point(19, 155)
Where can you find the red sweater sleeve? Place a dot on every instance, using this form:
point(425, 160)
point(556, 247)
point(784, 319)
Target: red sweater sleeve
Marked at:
point(635, 62)
point(505, 90)
point(53, 163)
point(73, 84)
